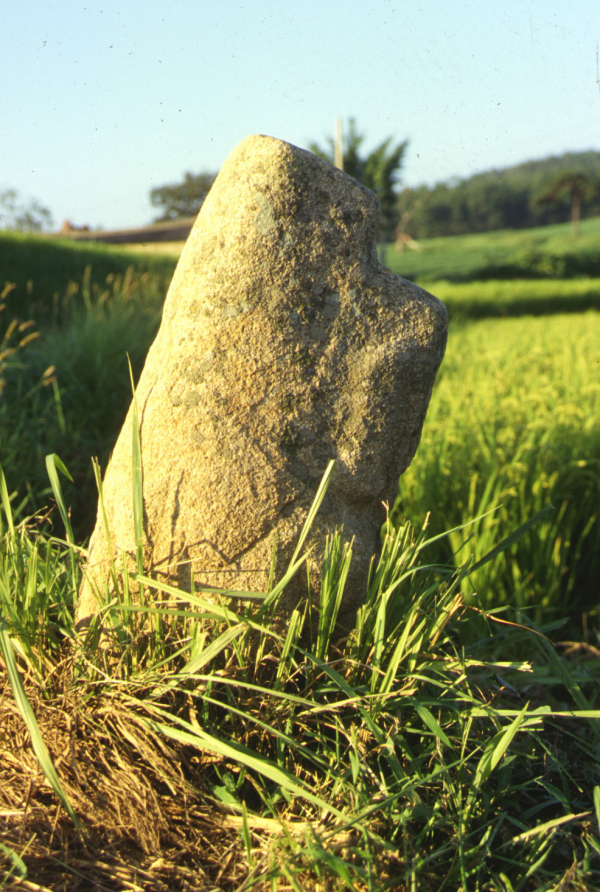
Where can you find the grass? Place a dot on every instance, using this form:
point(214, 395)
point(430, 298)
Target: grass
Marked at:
point(518, 297)
point(65, 385)
point(49, 276)
point(519, 395)
point(445, 744)
point(218, 748)
point(546, 252)
point(513, 426)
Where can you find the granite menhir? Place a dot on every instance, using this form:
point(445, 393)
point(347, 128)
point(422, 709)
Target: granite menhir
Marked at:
point(284, 343)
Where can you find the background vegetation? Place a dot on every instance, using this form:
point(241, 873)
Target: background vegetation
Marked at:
point(546, 252)
point(445, 743)
point(513, 420)
point(179, 200)
point(536, 193)
point(27, 216)
point(67, 390)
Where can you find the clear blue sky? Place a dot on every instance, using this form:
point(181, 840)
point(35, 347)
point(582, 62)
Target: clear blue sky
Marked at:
point(100, 100)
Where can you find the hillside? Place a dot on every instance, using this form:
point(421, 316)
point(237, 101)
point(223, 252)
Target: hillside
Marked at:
point(39, 274)
point(500, 199)
point(544, 252)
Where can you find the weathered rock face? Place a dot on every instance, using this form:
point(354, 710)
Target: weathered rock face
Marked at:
point(284, 344)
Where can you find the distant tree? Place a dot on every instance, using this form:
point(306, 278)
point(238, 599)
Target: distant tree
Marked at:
point(27, 217)
point(574, 185)
point(410, 201)
point(378, 171)
point(179, 200)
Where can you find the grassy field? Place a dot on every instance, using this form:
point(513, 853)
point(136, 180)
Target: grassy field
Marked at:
point(446, 743)
point(512, 421)
point(514, 425)
point(65, 380)
point(50, 276)
point(547, 252)
point(504, 298)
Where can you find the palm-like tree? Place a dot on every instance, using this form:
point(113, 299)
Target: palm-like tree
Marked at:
point(575, 185)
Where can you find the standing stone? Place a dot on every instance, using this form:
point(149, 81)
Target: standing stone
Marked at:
point(284, 344)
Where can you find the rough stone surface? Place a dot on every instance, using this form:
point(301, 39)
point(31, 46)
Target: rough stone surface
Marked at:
point(284, 344)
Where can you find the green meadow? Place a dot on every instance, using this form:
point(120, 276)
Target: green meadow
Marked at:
point(546, 252)
point(448, 741)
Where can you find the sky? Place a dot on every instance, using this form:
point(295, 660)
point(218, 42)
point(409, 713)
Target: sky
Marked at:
point(102, 101)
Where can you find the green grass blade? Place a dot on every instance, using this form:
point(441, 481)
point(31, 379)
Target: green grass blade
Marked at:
point(186, 733)
point(320, 495)
point(335, 566)
point(105, 523)
point(19, 868)
point(542, 829)
point(512, 537)
point(433, 724)
point(287, 654)
point(494, 751)
point(245, 834)
point(202, 603)
point(214, 648)
point(30, 603)
point(54, 464)
point(564, 672)
point(6, 503)
point(506, 738)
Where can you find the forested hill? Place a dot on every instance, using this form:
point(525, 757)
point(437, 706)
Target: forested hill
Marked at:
point(587, 162)
point(535, 193)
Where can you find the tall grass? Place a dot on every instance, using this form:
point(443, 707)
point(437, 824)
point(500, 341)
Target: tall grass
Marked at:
point(67, 391)
point(391, 758)
point(514, 425)
point(47, 273)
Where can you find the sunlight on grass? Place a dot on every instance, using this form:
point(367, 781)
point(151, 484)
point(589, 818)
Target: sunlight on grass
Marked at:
point(513, 424)
point(204, 739)
point(389, 757)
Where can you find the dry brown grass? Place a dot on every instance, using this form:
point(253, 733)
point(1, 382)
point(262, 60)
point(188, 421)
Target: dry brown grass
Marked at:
point(170, 248)
point(146, 823)
point(147, 819)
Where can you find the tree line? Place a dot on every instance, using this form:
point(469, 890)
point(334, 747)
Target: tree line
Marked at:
point(536, 193)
